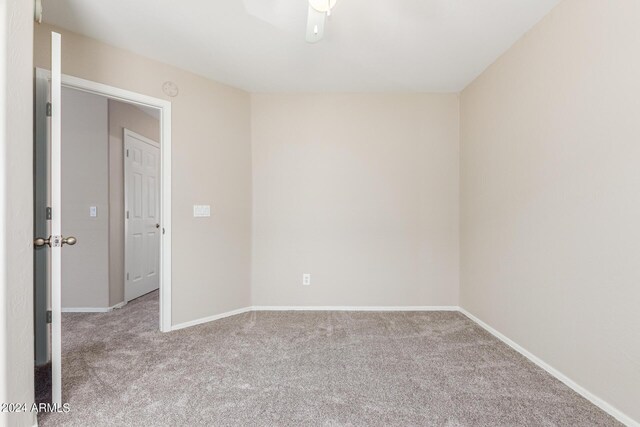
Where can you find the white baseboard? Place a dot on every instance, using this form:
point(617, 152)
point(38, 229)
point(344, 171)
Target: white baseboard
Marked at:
point(86, 309)
point(93, 309)
point(355, 308)
point(119, 305)
point(608, 408)
point(209, 318)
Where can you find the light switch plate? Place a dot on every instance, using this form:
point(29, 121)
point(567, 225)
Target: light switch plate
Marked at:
point(93, 211)
point(201, 211)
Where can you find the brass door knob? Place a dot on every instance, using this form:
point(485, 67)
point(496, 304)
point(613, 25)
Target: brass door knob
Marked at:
point(39, 242)
point(69, 241)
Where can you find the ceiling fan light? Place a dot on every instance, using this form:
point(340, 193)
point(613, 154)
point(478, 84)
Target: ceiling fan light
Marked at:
point(319, 11)
point(315, 25)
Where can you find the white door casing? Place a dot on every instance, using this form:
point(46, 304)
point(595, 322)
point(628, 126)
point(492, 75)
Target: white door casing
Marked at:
point(142, 215)
point(44, 77)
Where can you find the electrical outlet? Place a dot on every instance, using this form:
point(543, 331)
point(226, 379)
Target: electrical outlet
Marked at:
point(306, 279)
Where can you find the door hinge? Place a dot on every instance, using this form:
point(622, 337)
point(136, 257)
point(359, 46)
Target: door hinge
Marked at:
point(127, 152)
point(127, 214)
point(48, 213)
point(48, 109)
point(48, 316)
point(127, 276)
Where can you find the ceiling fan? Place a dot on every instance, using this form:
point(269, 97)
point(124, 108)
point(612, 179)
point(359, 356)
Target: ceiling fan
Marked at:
point(319, 10)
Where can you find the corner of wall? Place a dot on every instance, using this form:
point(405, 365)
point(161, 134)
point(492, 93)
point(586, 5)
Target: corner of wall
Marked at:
point(16, 209)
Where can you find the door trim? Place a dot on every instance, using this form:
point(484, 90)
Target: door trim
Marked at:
point(127, 249)
point(165, 173)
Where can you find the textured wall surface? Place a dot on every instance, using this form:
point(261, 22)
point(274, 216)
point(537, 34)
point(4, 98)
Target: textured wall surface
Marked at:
point(360, 191)
point(16, 205)
point(85, 182)
point(550, 202)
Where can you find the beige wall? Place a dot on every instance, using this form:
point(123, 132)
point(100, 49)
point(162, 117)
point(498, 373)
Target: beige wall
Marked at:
point(361, 191)
point(550, 196)
point(211, 165)
point(121, 116)
point(85, 183)
point(16, 209)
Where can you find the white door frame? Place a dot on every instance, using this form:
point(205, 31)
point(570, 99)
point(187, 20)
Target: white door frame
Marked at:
point(165, 174)
point(127, 246)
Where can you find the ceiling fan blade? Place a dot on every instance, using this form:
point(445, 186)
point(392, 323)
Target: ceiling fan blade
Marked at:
point(315, 25)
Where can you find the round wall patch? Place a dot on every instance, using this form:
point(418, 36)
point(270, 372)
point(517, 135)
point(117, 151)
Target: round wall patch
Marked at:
point(170, 89)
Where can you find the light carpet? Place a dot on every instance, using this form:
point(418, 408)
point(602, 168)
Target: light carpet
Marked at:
point(304, 368)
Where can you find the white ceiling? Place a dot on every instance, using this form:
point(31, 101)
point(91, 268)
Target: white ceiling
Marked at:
point(259, 45)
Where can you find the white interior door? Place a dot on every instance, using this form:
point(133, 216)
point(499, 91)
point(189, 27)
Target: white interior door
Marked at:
point(48, 221)
point(56, 240)
point(56, 220)
point(142, 215)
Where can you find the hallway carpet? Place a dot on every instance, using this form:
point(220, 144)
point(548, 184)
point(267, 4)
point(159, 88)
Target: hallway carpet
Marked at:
point(304, 368)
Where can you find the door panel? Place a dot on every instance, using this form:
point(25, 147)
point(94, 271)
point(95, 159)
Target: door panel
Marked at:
point(151, 194)
point(48, 241)
point(137, 195)
point(41, 224)
point(137, 248)
point(142, 191)
point(56, 220)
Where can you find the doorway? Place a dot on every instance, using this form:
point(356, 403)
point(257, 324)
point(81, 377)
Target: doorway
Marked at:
point(48, 336)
